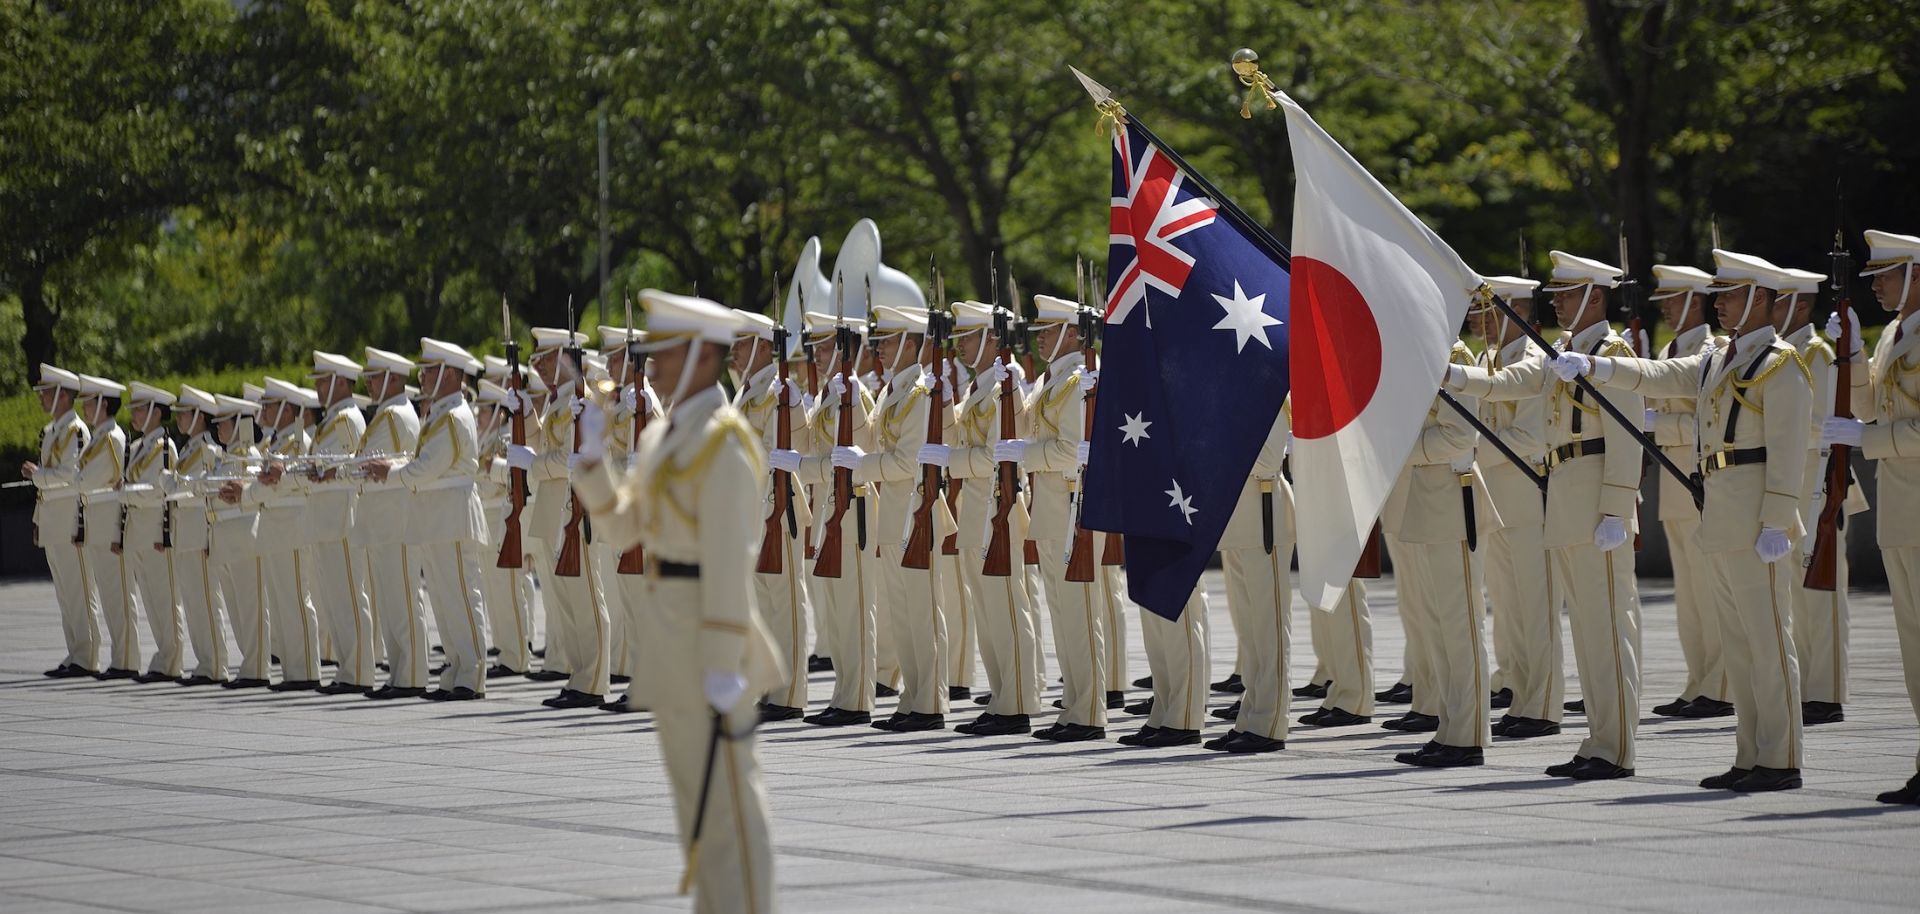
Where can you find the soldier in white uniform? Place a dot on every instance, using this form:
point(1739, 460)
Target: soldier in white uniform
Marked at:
point(444, 520)
point(1886, 400)
point(693, 500)
point(509, 602)
point(781, 594)
point(1255, 551)
point(624, 590)
point(283, 534)
point(56, 514)
point(1594, 468)
point(98, 479)
point(380, 531)
point(1756, 399)
point(145, 534)
point(234, 542)
point(339, 592)
point(202, 599)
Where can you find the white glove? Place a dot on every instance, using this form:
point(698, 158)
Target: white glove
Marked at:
point(848, 458)
point(791, 391)
point(1611, 534)
point(518, 403)
point(1853, 329)
point(1842, 431)
point(938, 455)
point(630, 398)
point(593, 432)
point(1772, 546)
point(837, 386)
point(807, 402)
point(1012, 450)
point(520, 457)
point(579, 404)
point(1646, 424)
point(1455, 378)
point(1569, 365)
point(992, 376)
point(574, 460)
point(1082, 450)
point(1090, 378)
point(784, 460)
point(724, 688)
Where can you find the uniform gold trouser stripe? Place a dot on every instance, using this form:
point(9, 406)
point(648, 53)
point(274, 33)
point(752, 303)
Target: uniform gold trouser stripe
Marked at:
point(360, 676)
point(740, 827)
point(473, 629)
point(299, 601)
point(1619, 683)
point(1480, 706)
point(1780, 646)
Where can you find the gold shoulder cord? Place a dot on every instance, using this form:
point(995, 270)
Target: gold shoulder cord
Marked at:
point(668, 473)
point(1739, 384)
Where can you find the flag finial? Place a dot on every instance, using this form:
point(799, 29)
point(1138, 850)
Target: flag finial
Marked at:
point(1246, 65)
point(1103, 101)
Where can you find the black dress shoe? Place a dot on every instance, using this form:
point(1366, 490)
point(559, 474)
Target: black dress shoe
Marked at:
point(1704, 707)
point(1138, 737)
point(1116, 700)
point(328, 661)
point(539, 652)
point(619, 679)
point(1070, 733)
point(1575, 707)
point(1168, 737)
point(1240, 742)
point(983, 698)
point(1725, 781)
point(1435, 755)
point(295, 685)
point(391, 692)
point(1413, 722)
point(1599, 770)
point(116, 672)
point(245, 684)
point(838, 717)
point(1144, 682)
point(818, 664)
point(502, 671)
point(1312, 690)
point(60, 672)
point(198, 680)
point(574, 698)
point(1821, 712)
point(152, 676)
point(882, 690)
point(771, 712)
point(547, 675)
point(1528, 728)
point(1501, 700)
point(1567, 768)
point(618, 705)
point(1335, 717)
point(959, 693)
point(912, 723)
point(1143, 706)
point(1230, 685)
point(1230, 712)
point(435, 671)
point(1400, 693)
point(438, 695)
point(1763, 779)
point(383, 667)
point(996, 725)
point(1906, 796)
point(493, 652)
point(459, 693)
point(1673, 708)
point(343, 688)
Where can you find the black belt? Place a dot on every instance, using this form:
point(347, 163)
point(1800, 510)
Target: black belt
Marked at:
point(679, 570)
point(1567, 452)
point(1720, 460)
point(1466, 509)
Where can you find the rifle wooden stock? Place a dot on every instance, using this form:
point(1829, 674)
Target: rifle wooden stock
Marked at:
point(1829, 537)
point(999, 558)
point(918, 551)
point(827, 563)
point(1369, 565)
point(634, 561)
point(511, 549)
point(567, 564)
point(1080, 557)
point(772, 543)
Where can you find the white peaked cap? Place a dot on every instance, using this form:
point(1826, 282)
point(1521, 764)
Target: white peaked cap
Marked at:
point(195, 398)
point(1513, 288)
point(859, 258)
point(441, 352)
point(1670, 280)
point(595, 365)
point(252, 392)
point(819, 323)
point(382, 360)
point(147, 393)
point(670, 315)
point(808, 290)
point(96, 386)
point(309, 398)
point(612, 337)
point(277, 389)
point(755, 325)
point(495, 368)
point(1572, 272)
point(326, 363)
point(1054, 310)
point(899, 320)
point(51, 376)
point(548, 338)
point(1886, 250)
point(1734, 270)
point(225, 406)
point(491, 392)
point(969, 315)
point(1802, 282)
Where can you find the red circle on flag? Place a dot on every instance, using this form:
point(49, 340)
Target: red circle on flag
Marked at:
point(1335, 350)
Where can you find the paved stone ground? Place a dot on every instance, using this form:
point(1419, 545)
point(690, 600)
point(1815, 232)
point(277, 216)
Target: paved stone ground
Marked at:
point(154, 798)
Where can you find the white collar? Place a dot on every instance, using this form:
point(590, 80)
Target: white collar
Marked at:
point(697, 408)
point(1799, 338)
point(762, 379)
point(1754, 340)
point(1514, 348)
point(344, 403)
point(397, 400)
point(1690, 337)
point(1586, 338)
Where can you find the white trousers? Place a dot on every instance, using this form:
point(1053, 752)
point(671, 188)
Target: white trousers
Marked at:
point(1009, 638)
point(79, 612)
point(784, 605)
point(340, 599)
point(1177, 658)
point(452, 573)
point(244, 582)
point(118, 603)
point(911, 596)
point(293, 621)
point(393, 598)
point(204, 604)
point(155, 575)
point(1079, 638)
point(1260, 602)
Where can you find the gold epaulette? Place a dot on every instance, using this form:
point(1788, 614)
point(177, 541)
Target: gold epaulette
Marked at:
point(724, 425)
point(1821, 346)
point(1462, 354)
point(1616, 348)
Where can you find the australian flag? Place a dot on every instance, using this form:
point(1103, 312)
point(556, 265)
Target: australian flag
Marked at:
point(1193, 371)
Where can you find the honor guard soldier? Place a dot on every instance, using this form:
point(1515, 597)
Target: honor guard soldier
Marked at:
point(1886, 402)
point(444, 520)
point(1819, 616)
point(1051, 452)
point(1255, 551)
point(380, 531)
point(692, 501)
point(56, 519)
point(282, 534)
point(339, 592)
point(509, 600)
point(99, 478)
point(146, 534)
point(780, 592)
point(630, 594)
point(1342, 649)
point(1594, 468)
point(235, 542)
point(202, 599)
point(621, 651)
point(956, 600)
point(1754, 400)
point(1684, 299)
point(1530, 682)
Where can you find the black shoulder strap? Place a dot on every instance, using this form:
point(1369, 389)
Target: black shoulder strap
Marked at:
point(1733, 413)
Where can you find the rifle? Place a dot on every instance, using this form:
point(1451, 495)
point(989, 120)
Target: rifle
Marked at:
point(1114, 552)
point(510, 547)
point(126, 463)
point(1829, 538)
point(1024, 344)
point(917, 551)
point(567, 565)
point(998, 560)
point(1368, 566)
point(166, 504)
point(1642, 348)
point(950, 545)
point(1080, 554)
point(634, 561)
point(772, 544)
point(827, 561)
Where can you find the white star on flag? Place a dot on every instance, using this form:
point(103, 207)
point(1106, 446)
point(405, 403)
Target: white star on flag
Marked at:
point(1245, 318)
point(1135, 429)
point(1182, 501)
